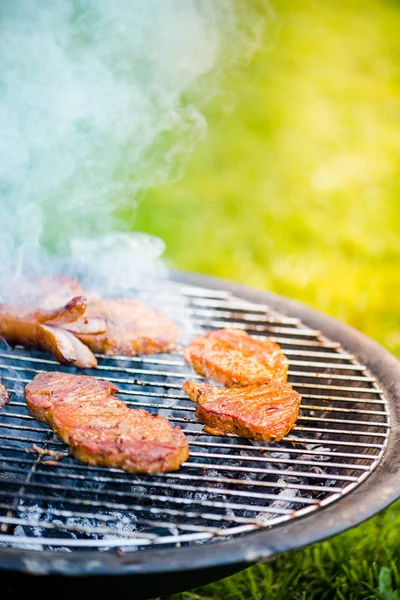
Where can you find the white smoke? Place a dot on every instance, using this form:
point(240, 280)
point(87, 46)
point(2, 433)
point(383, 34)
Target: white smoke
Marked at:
point(91, 111)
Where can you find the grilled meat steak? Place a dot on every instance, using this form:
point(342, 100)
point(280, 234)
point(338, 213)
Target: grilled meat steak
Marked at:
point(52, 330)
point(121, 326)
point(100, 429)
point(264, 412)
point(232, 357)
point(132, 328)
point(3, 395)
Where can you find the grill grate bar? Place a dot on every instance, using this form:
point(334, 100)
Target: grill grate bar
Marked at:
point(265, 471)
point(134, 543)
point(320, 354)
point(174, 487)
point(190, 291)
point(24, 428)
point(341, 431)
point(105, 531)
point(361, 411)
point(327, 365)
point(230, 317)
point(361, 401)
point(168, 385)
point(264, 328)
point(289, 437)
point(260, 483)
point(186, 420)
point(24, 417)
point(354, 390)
point(278, 337)
point(288, 461)
point(331, 376)
point(296, 440)
point(177, 407)
point(234, 457)
point(191, 375)
point(292, 341)
point(175, 512)
point(151, 359)
point(344, 421)
point(155, 498)
point(15, 438)
point(170, 487)
point(161, 360)
point(305, 440)
point(69, 514)
point(141, 393)
point(238, 306)
point(257, 483)
point(320, 451)
point(290, 473)
point(190, 477)
point(70, 528)
point(27, 417)
point(249, 308)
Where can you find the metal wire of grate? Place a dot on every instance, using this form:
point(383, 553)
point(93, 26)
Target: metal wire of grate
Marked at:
point(229, 485)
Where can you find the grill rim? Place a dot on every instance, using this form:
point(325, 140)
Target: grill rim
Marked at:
point(371, 496)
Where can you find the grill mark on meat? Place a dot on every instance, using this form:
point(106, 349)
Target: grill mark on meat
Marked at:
point(100, 429)
point(264, 412)
point(232, 357)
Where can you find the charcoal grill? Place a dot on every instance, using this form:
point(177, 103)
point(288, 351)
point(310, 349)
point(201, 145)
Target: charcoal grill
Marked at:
point(234, 502)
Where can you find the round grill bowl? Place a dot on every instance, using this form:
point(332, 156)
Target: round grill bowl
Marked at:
point(370, 487)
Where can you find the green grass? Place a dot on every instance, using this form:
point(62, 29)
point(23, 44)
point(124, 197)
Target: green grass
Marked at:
point(296, 190)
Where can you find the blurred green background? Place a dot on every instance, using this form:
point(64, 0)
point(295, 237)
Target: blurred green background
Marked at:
point(296, 190)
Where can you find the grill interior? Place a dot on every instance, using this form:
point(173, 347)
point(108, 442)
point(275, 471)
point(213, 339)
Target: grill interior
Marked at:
point(229, 486)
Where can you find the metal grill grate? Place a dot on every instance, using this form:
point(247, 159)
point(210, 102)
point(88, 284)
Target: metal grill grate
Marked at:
point(229, 485)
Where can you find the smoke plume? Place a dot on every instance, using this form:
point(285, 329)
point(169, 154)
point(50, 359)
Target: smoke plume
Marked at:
point(91, 114)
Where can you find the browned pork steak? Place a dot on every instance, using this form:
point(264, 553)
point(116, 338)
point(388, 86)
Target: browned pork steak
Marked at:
point(132, 328)
point(50, 322)
point(232, 357)
point(100, 429)
point(84, 324)
point(261, 412)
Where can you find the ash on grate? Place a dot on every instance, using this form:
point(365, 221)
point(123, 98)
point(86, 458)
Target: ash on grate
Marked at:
point(48, 522)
